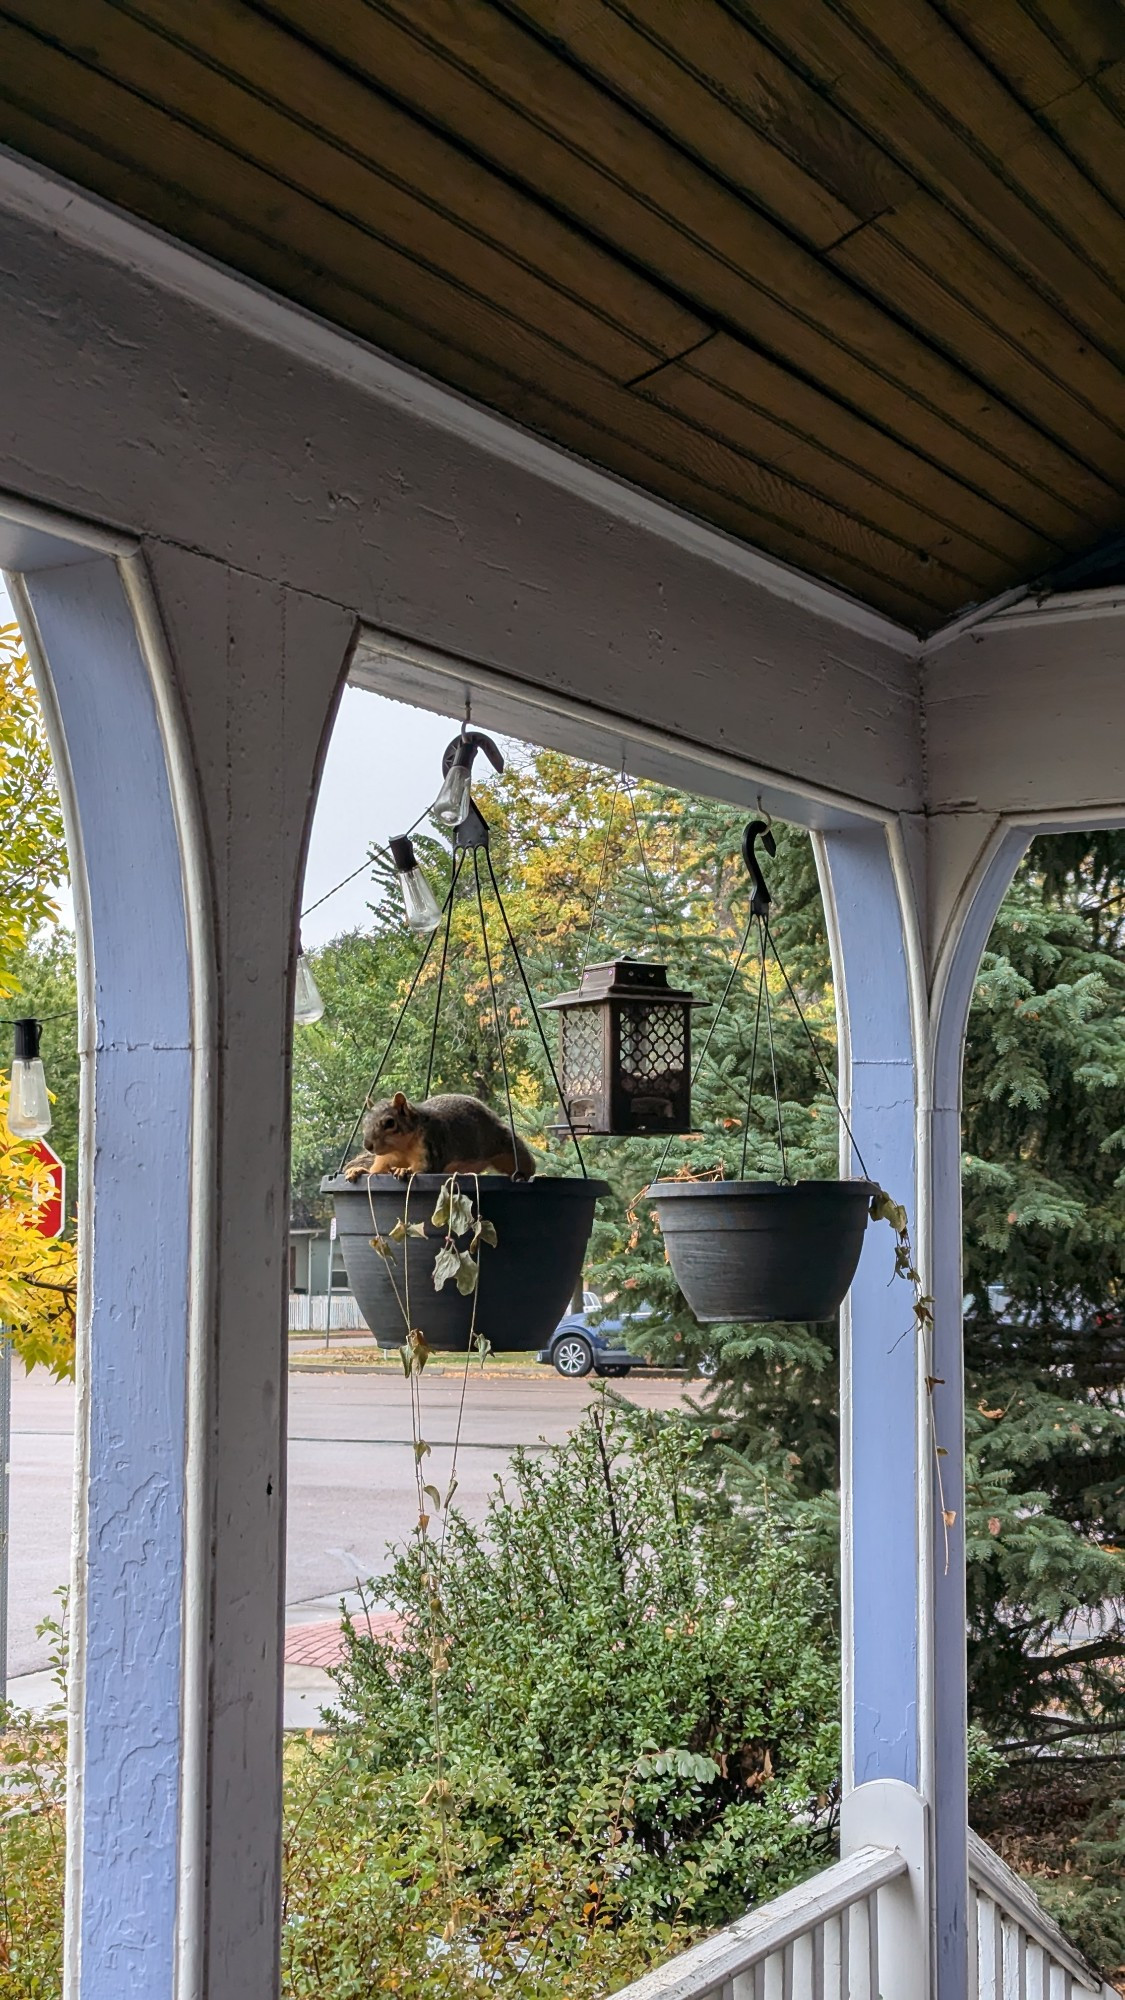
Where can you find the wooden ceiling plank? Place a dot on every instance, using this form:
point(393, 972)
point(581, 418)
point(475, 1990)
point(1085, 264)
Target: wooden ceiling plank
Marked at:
point(831, 539)
point(1038, 66)
point(763, 386)
point(255, 51)
point(707, 405)
point(701, 78)
point(502, 92)
point(627, 328)
point(580, 28)
point(1092, 32)
point(902, 257)
point(1053, 224)
point(1005, 34)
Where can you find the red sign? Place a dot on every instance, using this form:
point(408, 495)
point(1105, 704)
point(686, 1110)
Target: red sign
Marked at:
point(48, 1189)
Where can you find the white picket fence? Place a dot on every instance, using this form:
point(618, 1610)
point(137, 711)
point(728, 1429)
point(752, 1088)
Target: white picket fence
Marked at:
point(841, 1937)
point(324, 1312)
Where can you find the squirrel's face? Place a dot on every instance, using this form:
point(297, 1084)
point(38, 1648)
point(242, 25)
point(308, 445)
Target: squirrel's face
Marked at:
point(387, 1119)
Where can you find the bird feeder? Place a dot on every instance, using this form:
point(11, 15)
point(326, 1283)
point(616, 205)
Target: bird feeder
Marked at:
point(626, 1050)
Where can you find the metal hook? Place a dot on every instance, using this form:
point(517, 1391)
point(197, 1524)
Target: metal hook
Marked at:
point(761, 899)
point(464, 748)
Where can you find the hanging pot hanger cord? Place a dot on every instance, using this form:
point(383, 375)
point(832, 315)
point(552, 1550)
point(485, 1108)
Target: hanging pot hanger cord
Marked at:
point(601, 875)
point(458, 864)
point(753, 1068)
point(384, 1058)
point(534, 1010)
point(773, 1056)
point(731, 976)
point(495, 1004)
point(644, 857)
point(825, 1073)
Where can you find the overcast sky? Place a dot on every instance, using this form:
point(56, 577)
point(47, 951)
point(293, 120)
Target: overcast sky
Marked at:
point(383, 768)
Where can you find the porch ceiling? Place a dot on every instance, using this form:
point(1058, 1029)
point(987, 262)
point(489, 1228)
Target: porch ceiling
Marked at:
point(843, 277)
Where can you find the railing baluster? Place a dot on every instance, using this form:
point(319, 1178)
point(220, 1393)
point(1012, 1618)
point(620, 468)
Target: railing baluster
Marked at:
point(817, 1941)
point(974, 1944)
point(858, 1959)
point(773, 1987)
point(832, 1934)
point(873, 1944)
point(800, 1976)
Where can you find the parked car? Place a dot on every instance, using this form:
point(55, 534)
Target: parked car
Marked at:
point(577, 1347)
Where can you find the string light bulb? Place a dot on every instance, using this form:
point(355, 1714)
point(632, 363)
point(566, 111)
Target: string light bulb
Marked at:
point(423, 913)
point(452, 802)
point(307, 1003)
point(29, 1106)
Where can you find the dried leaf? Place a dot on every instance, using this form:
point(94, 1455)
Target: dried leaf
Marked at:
point(433, 1496)
point(420, 1349)
point(421, 1449)
point(467, 1274)
point(397, 1231)
point(485, 1232)
point(460, 1214)
point(416, 1229)
point(949, 1516)
point(381, 1247)
point(447, 1264)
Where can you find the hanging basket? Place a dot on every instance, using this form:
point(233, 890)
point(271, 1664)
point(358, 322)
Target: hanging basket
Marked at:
point(763, 1250)
point(526, 1281)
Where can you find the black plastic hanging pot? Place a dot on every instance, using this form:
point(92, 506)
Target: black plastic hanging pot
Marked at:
point(763, 1250)
point(526, 1281)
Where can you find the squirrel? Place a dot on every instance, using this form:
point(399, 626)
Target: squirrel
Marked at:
point(448, 1134)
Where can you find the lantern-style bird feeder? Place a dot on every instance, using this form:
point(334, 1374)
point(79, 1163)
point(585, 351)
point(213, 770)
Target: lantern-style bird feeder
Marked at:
point(626, 1050)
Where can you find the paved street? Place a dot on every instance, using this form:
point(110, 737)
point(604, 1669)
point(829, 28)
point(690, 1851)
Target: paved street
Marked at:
point(351, 1481)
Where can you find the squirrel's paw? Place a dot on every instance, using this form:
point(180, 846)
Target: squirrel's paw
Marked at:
point(360, 1165)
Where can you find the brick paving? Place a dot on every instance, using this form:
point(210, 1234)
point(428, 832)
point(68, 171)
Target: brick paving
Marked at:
point(322, 1644)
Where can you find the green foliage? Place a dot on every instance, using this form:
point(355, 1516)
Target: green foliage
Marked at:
point(617, 1676)
point(33, 1836)
point(32, 845)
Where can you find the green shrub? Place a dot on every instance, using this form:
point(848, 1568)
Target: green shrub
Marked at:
point(610, 1676)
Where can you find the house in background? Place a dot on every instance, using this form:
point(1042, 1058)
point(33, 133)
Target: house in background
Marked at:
point(320, 1299)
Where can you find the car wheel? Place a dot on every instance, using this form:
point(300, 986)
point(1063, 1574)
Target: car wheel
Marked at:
point(573, 1356)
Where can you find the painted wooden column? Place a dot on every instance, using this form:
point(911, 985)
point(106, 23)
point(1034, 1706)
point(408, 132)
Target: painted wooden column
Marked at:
point(904, 1615)
point(974, 908)
point(886, 1574)
point(189, 723)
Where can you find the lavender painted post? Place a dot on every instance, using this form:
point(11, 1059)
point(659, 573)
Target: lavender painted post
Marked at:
point(879, 1366)
point(953, 990)
point(125, 1774)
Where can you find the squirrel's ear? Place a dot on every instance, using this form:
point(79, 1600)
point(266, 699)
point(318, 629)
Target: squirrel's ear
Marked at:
point(398, 1101)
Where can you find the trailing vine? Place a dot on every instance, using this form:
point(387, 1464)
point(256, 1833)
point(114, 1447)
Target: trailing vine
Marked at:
point(457, 1215)
point(885, 1209)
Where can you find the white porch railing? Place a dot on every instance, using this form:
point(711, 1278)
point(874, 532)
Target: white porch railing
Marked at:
point(1016, 1951)
point(821, 1941)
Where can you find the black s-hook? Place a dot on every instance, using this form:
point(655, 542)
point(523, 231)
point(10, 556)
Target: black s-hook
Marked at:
point(761, 899)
